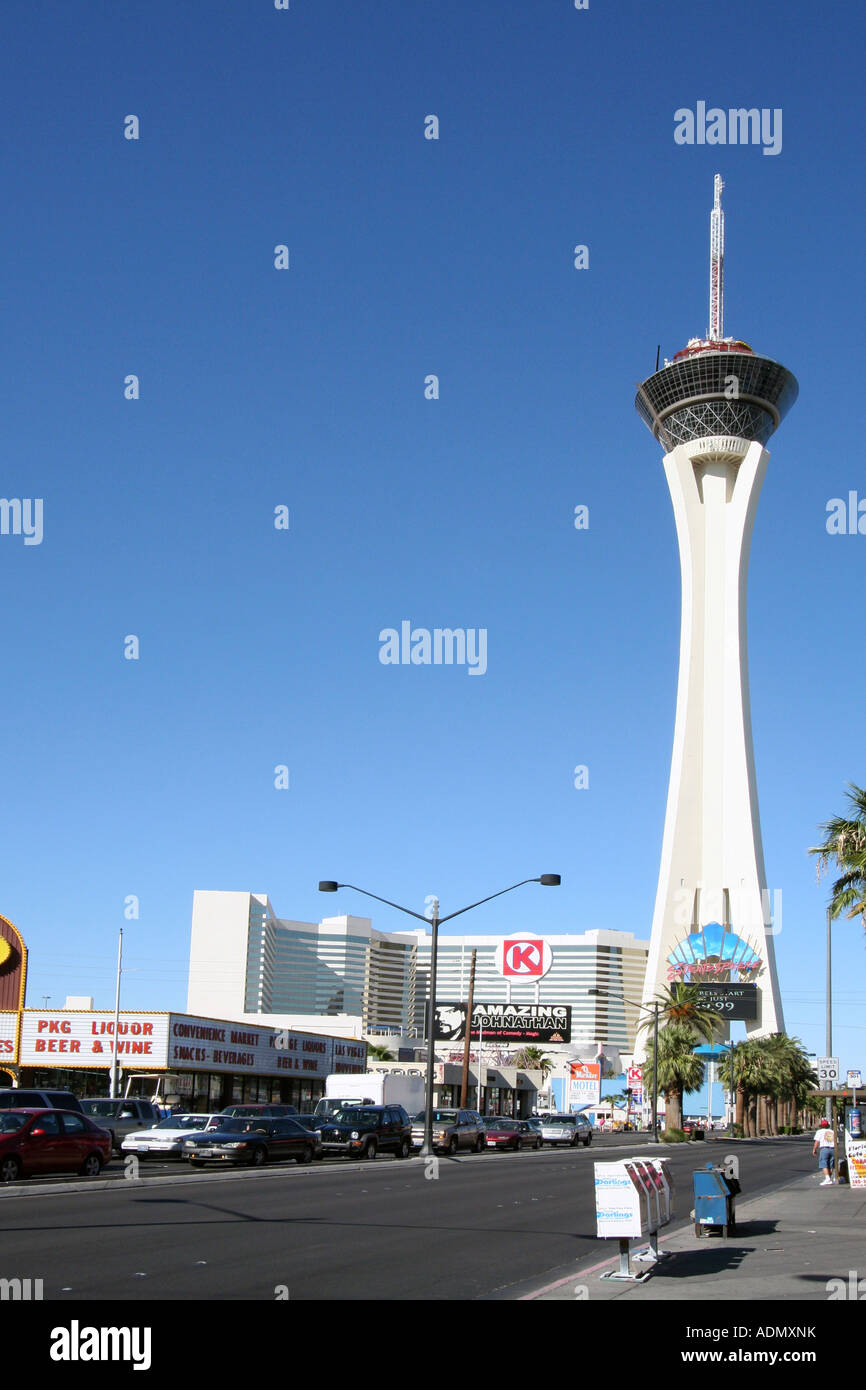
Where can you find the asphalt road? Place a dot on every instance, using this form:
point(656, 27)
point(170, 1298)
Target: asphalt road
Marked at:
point(489, 1226)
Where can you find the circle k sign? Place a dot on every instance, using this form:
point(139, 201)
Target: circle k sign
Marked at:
point(523, 957)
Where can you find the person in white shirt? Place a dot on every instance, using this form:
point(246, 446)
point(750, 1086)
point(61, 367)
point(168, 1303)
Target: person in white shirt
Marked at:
point(824, 1148)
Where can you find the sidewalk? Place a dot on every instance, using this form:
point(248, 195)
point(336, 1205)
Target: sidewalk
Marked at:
point(787, 1244)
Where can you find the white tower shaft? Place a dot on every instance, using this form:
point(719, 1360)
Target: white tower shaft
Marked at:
point(712, 865)
point(717, 264)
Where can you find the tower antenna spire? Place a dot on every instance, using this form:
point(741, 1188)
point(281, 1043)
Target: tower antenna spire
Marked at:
point(717, 264)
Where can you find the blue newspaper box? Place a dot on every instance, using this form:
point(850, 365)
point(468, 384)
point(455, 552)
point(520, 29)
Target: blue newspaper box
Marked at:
point(714, 1200)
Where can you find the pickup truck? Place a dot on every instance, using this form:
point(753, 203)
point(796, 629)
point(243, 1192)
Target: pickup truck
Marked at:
point(121, 1117)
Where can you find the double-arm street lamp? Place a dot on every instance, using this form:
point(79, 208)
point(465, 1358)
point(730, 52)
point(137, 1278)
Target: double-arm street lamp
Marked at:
point(654, 1010)
point(328, 886)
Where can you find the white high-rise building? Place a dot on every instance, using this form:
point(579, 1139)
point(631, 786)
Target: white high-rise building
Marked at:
point(713, 408)
point(245, 961)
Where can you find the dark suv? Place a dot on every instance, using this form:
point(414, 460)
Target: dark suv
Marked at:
point(19, 1099)
point(362, 1130)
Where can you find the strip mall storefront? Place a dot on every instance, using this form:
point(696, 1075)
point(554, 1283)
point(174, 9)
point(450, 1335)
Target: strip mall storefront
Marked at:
point(205, 1063)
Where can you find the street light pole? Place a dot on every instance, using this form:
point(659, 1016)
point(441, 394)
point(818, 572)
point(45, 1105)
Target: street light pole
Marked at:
point(427, 1147)
point(330, 886)
point(828, 1104)
point(656, 1075)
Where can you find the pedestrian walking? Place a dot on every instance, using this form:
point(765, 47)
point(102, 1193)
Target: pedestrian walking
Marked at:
point(824, 1146)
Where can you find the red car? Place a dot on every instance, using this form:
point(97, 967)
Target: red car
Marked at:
point(503, 1133)
point(50, 1141)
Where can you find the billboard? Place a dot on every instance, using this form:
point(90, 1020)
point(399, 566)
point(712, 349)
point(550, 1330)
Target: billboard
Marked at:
point(512, 1023)
point(584, 1087)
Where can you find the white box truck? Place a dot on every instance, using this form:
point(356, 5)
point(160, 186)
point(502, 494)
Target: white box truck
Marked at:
point(373, 1088)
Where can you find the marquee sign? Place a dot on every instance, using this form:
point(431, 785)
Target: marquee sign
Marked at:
point(13, 966)
point(512, 1023)
point(179, 1042)
point(8, 1026)
point(714, 954)
point(86, 1039)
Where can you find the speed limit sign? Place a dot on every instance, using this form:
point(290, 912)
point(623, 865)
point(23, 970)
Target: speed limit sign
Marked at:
point(828, 1071)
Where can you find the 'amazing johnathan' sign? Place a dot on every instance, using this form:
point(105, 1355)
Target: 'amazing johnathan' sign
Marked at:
point(522, 1023)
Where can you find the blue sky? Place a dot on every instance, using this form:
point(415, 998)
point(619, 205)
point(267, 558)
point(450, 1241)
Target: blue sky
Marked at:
point(305, 388)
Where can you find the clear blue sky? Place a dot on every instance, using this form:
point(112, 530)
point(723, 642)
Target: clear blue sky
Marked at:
point(306, 388)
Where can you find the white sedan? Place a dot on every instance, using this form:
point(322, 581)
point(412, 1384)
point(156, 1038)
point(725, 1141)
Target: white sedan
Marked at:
point(165, 1140)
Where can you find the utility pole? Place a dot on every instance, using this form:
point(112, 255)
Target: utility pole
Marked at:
point(464, 1090)
point(114, 1067)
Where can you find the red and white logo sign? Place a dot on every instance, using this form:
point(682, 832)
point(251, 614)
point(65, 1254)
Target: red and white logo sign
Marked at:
point(635, 1077)
point(523, 957)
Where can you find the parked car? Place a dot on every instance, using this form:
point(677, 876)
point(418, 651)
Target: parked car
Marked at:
point(500, 1132)
point(313, 1124)
point(452, 1130)
point(19, 1099)
point(362, 1130)
point(166, 1139)
point(567, 1129)
point(121, 1117)
point(50, 1141)
point(535, 1122)
point(256, 1141)
point(256, 1108)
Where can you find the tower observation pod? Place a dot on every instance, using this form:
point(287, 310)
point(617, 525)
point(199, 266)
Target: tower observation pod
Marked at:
point(713, 408)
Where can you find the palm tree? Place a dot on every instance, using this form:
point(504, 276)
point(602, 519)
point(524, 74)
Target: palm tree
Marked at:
point(845, 842)
point(379, 1052)
point(679, 1070)
point(615, 1102)
point(533, 1059)
point(682, 1007)
point(769, 1070)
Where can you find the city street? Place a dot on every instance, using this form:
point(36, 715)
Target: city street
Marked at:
point(488, 1226)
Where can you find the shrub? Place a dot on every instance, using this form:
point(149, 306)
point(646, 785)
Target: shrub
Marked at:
point(674, 1136)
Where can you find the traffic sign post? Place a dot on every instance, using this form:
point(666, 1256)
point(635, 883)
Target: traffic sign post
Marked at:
point(827, 1069)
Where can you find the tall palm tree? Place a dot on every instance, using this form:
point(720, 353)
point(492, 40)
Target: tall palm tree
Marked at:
point(679, 1069)
point(845, 842)
point(682, 1007)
